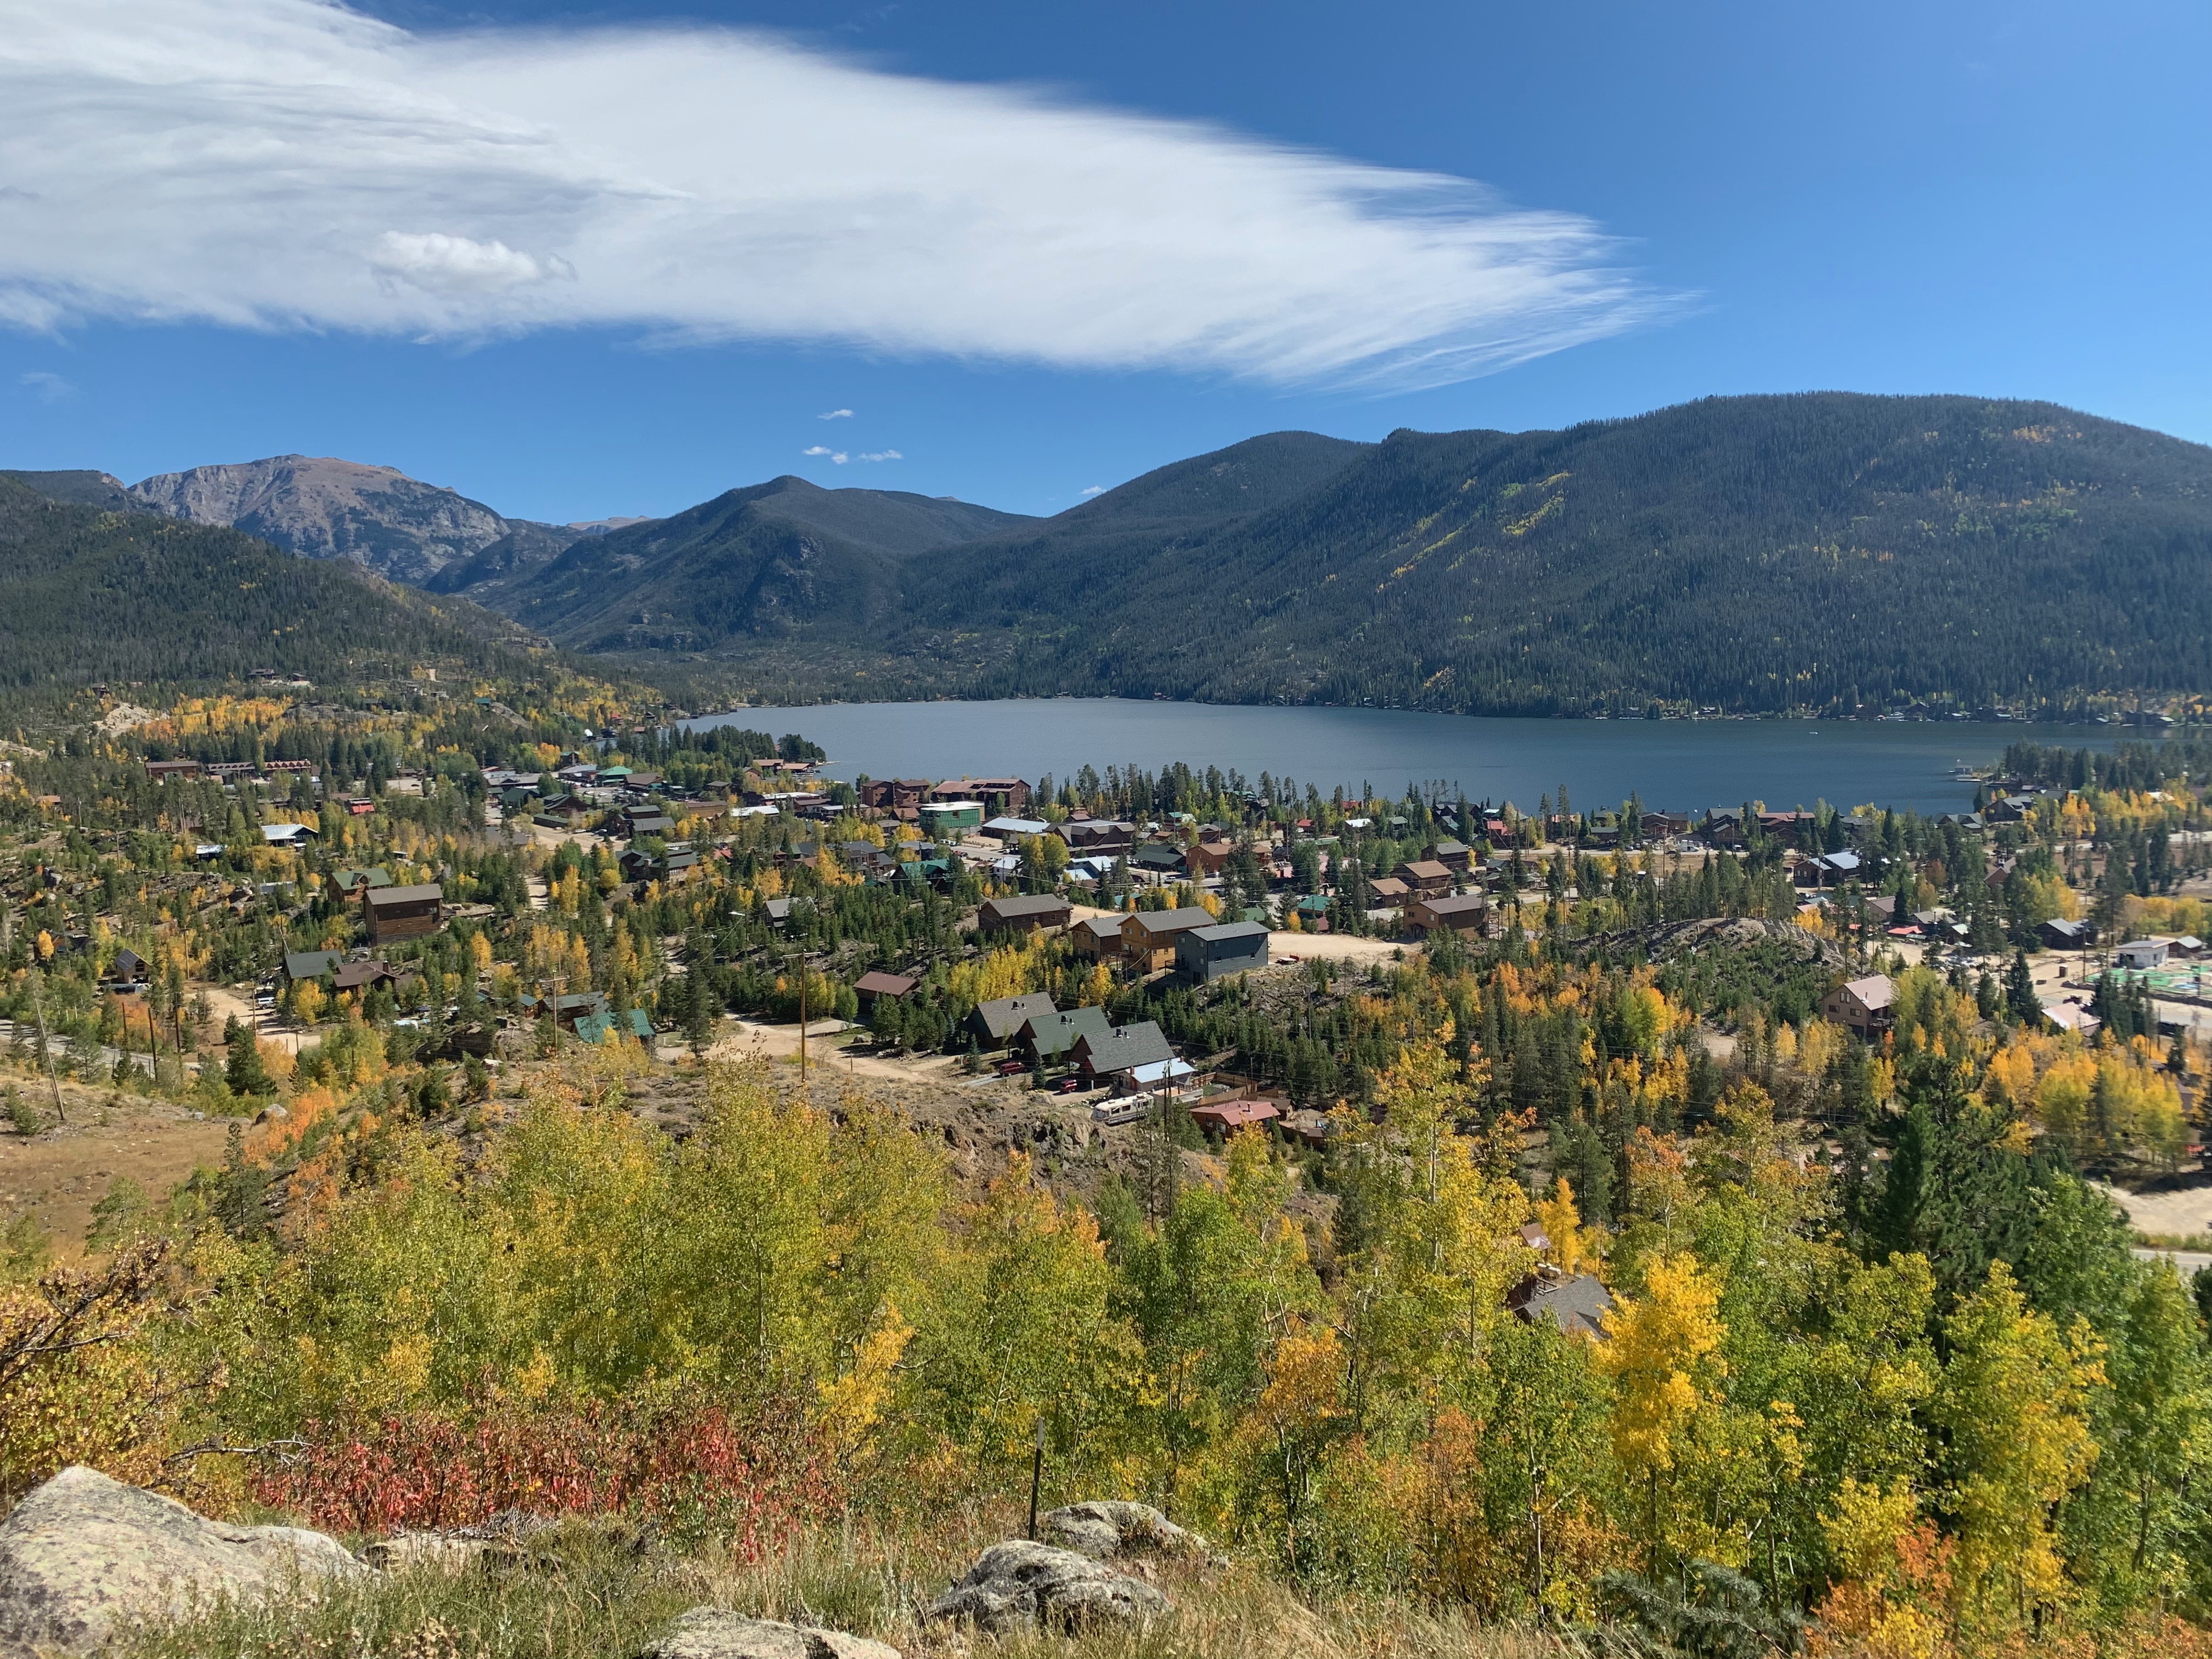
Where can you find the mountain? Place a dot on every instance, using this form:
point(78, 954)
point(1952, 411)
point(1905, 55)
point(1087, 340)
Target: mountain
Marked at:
point(84, 487)
point(1812, 550)
point(778, 560)
point(95, 595)
point(377, 516)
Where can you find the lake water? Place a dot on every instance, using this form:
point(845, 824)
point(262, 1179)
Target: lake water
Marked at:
point(1674, 765)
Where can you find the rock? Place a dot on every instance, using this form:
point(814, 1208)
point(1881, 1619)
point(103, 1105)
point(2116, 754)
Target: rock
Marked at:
point(1104, 1530)
point(719, 1633)
point(83, 1553)
point(1020, 1586)
point(406, 1550)
point(271, 1114)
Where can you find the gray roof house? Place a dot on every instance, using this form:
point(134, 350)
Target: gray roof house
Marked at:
point(995, 1023)
point(1205, 954)
point(1048, 1037)
point(1124, 1049)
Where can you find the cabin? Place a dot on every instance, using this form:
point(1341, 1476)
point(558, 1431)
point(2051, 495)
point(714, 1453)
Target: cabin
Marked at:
point(1097, 938)
point(1466, 914)
point(1023, 913)
point(1097, 835)
point(1424, 878)
point(1203, 955)
point(294, 835)
point(1050, 1039)
point(1455, 856)
point(404, 912)
point(894, 794)
point(1865, 1006)
point(1209, 857)
point(1576, 1302)
point(310, 964)
point(356, 883)
point(876, 986)
point(995, 1023)
point(1222, 1119)
point(362, 976)
point(1388, 893)
point(606, 1024)
point(2061, 935)
point(1148, 936)
point(127, 969)
point(162, 771)
point(1162, 860)
point(1121, 1051)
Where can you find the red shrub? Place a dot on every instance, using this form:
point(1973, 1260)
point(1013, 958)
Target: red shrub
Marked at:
point(691, 1467)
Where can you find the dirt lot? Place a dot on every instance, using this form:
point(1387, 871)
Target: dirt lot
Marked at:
point(65, 1170)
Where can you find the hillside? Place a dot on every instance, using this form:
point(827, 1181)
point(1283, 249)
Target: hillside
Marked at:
point(132, 597)
point(777, 560)
point(83, 487)
point(1821, 549)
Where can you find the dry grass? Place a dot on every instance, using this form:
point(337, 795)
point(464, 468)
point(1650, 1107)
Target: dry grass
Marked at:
point(602, 1604)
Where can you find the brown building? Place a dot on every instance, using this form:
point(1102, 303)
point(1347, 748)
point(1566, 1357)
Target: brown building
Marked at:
point(1022, 913)
point(1468, 913)
point(1388, 892)
point(894, 794)
point(162, 771)
point(1208, 858)
point(876, 984)
point(1424, 878)
point(1099, 939)
point(1865, 1005)
point(1148, 936)
point(404, 912)
point(1001, 795)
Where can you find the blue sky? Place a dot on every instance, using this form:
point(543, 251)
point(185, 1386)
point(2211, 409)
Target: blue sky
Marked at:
point(1997, 199)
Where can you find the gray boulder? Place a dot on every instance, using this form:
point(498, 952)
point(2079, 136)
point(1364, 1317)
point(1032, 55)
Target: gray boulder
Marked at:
point(1021, 1586)
point(718, 1633)
point(82, 1554)
point(1104, 1530)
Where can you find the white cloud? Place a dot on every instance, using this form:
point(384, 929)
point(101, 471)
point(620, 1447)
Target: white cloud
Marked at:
point(291, 164)
point(49, 388)
point(838, 455)
point(836, 415)
point(882, 455)
point(1092, 489)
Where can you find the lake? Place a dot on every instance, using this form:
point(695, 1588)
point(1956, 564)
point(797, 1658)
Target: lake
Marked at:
point(1674, 765)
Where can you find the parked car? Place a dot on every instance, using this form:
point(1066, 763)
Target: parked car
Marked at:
point(1069, 1086)
point(1010, 1067)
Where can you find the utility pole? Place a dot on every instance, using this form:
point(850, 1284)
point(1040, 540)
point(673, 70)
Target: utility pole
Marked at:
point(802, 1020)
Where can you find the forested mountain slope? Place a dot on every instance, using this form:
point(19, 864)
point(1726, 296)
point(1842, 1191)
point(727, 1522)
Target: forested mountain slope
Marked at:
point(1758, 552)
point(778, 560)
point(93, 595)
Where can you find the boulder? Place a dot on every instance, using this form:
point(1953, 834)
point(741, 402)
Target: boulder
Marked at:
point(719, 1633)
point(1020, 1586)
point(83, 1552)
point(1104, 1530)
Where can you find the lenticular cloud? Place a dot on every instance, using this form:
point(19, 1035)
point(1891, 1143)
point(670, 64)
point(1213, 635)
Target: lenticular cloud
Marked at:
point(292, 164)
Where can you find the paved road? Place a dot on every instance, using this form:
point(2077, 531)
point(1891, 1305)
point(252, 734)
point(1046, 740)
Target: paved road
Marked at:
point(2188, 1262)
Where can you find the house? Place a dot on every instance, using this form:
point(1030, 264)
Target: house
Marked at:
point(564, 812)
point(566, 1009)
point(779, 911)
point(128, 968)
point(1463, 913)
point(2072, 1015)
point(294, 835)
point(1723, 826)
point(359, 806)
point(1455, 856)
point(1098, 835)
point(1121, 1051)
point(1023, 913)
point(162, 771)
point(1050, 1039)
point(310, 964)
point(1533, 1235)
point(995, 1023)
point(1097, 938)
point(951, 817)
point(1160, 859)
point(2060, 935)
point(1209, 857)
point(2141, 955)
point(1577, 1302)
point(354, 883)
point(1206, 954)
point(2010, 809)
point(1010, 829)
point(2187, 945)
point(1865, 1006)
point(1308, 1127)
point(1148, 936)
point(1389, 893)
point(1833, 868)
point(876, 984)
point(363, 976)
point(1224, 1118)
point(636, 821)
point(605, 1025)
point(404, 912)
point(1424, 878)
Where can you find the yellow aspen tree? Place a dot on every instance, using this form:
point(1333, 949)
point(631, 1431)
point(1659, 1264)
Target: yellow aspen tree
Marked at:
point(1664, 1358)
point(2013, 1399)
point(1563, 1225)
